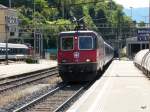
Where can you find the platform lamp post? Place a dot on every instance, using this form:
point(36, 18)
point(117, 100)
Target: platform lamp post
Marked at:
point(9, 3)
point(6, 31)
point(131, 11)
point(34, 37)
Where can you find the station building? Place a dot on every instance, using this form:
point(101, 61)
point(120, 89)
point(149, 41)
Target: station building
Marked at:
point(134, 45)
point(141, 41)
point(8, 23)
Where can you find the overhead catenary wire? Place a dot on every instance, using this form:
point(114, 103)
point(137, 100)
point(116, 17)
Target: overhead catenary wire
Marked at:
point(76, 4)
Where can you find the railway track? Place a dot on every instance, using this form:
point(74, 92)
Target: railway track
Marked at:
point(55, 100)
point(26, 79)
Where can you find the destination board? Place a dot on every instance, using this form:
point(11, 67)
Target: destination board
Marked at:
point(143, 34)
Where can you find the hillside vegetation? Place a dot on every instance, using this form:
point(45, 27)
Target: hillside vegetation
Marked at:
point(53, 16)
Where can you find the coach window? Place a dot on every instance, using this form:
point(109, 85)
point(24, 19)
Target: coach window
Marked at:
point(67, 43)
point(15, 50)
point(85, 43)
point(12, 51)
point(3, 51)
point(0, 51)
point(20, 51)
point(23, 51)
point(9, 51)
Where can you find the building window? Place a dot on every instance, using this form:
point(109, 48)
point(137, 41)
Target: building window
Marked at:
point(12, 33)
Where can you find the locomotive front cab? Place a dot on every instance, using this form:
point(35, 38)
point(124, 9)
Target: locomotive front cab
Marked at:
point(77, 47)
point(77, 55)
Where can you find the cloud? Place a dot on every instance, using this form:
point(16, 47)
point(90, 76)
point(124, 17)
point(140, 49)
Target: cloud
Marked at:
point(133, 3)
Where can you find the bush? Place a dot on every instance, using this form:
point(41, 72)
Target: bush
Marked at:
point(30, 60)
point(53, 57)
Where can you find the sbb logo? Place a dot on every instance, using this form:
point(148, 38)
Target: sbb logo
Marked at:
point(76, 54)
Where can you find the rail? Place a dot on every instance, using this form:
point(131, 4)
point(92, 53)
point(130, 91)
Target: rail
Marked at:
point(25, 80)
point(38, 99)
point(73, 98)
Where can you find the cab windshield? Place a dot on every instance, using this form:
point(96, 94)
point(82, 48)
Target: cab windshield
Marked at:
point(67, 43)
point(85, 43)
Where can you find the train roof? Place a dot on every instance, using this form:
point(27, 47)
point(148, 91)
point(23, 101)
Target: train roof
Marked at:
point(79, 31)
point(11, 45)
point(108, 45)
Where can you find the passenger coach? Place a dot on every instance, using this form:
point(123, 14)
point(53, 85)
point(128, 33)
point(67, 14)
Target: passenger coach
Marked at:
point(15, 51)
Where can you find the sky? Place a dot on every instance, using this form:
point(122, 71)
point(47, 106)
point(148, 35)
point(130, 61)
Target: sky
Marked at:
point(133, 3)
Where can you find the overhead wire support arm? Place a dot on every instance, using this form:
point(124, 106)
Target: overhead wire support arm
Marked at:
point(79, 23)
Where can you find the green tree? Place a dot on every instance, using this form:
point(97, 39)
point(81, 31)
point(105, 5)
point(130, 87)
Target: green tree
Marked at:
point(53, 16)
point(141, 23)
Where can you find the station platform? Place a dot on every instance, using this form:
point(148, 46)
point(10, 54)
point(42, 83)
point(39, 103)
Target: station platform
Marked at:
point(20, 68)
point(122, 88)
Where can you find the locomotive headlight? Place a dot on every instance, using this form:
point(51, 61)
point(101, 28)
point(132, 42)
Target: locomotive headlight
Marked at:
point(75, 37)
point(88, 60)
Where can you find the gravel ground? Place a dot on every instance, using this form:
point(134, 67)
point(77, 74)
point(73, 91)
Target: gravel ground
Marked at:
point(26, 99)
point(16, 98)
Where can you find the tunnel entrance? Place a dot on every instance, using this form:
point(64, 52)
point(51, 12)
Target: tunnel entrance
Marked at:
point(134, 49)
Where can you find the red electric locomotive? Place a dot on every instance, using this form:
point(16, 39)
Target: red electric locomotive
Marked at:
point(81, 54)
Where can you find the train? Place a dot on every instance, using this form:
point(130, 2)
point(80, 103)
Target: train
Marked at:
point(142, 61)
point(15, 51)
point(81, 54)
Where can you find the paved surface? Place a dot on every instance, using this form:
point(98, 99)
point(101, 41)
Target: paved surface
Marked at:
point(123, 88)
point(20, 68)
